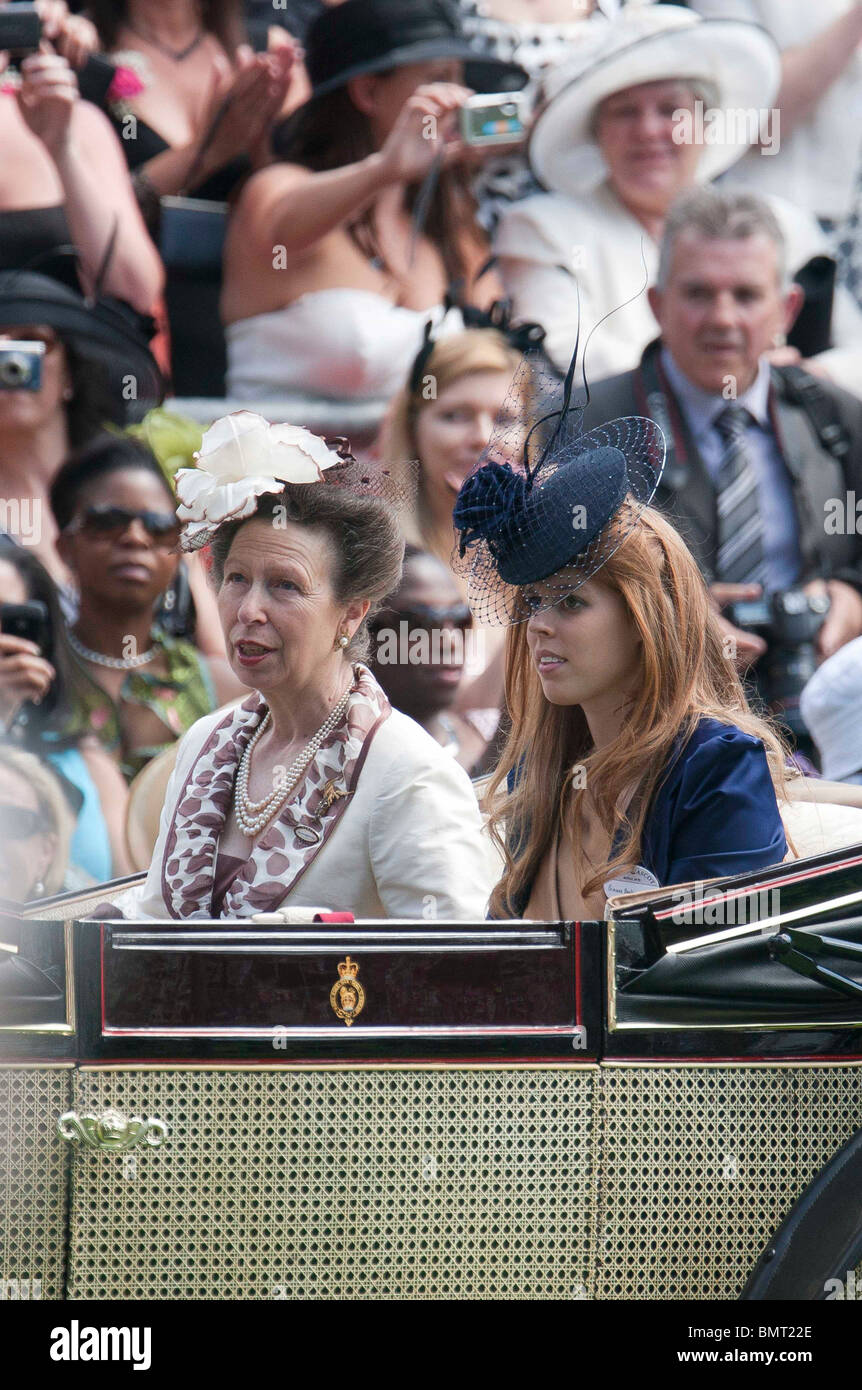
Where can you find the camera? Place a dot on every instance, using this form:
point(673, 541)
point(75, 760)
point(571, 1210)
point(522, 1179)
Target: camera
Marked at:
point(20, 30)
point(27, 620)
point(789, 621)
point(493, 120)
point(21, 366)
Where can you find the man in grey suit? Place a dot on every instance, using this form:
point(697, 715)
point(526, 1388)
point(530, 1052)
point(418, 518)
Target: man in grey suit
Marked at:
point(764, 460)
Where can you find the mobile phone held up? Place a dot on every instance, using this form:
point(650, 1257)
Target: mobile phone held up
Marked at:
point(27, 620)
point(20, 30)
point(21, 365)
point(494, 120)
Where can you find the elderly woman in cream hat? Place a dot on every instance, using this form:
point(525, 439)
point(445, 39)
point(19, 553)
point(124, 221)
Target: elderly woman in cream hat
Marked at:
point(314, 792)
point(651, 102)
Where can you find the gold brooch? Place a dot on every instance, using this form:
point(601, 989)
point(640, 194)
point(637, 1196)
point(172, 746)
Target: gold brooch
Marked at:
point(347, 996)
point(307, 833)
point(330, 793)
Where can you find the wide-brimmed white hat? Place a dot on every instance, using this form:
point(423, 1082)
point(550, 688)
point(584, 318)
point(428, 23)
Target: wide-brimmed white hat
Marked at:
point(830, 705)
point(737, 62)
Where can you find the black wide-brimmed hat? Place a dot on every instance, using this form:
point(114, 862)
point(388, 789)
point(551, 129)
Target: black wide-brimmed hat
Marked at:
point(104, 331)
point(363, 36)
point(547, 504)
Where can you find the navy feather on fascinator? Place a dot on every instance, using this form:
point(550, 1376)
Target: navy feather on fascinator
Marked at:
point(548, 504)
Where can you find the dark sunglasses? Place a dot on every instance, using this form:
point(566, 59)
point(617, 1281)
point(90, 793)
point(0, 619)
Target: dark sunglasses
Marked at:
point(16, 823)
point(111, 522)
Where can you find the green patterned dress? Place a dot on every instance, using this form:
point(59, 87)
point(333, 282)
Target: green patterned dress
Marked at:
point(177, 698)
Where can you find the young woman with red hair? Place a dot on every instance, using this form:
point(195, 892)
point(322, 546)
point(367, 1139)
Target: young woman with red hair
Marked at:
point(633, 758)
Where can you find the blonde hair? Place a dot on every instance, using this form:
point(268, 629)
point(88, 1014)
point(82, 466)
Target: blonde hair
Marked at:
point(453, 357)
point(685, 675)
point(54, 809)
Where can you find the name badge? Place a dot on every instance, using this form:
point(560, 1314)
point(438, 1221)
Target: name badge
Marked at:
point(636, 881)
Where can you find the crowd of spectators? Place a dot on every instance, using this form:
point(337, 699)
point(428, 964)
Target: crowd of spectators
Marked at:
point(208, 204)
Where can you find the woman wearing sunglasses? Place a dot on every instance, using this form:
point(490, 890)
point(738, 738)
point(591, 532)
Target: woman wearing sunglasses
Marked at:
point(119, 537)
point(423, 643)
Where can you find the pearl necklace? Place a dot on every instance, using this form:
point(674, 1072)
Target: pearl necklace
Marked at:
point(252, 816)
point(114, 663)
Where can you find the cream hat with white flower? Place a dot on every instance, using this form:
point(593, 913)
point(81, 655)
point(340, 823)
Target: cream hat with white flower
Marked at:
point(242, 457)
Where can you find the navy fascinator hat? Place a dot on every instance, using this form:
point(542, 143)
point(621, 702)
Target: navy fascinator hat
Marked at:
point(547, 504)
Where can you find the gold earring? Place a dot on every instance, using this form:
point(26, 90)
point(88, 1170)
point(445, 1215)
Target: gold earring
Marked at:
point(343, 641)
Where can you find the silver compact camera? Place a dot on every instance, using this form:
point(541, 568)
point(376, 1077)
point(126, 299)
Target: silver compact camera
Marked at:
point(493, 120)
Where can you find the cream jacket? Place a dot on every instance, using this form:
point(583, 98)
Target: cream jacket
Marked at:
point(410, 845)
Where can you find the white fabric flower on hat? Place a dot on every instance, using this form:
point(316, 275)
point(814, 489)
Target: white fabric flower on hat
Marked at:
point(242, 457)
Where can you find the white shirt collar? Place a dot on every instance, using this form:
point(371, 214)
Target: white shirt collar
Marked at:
point(702, 407)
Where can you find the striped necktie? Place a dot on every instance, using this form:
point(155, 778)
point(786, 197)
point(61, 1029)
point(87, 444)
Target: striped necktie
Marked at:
point(740, 526)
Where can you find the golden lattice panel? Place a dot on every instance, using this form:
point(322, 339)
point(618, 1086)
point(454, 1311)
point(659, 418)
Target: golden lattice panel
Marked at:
point(380, 1183)
point(700, 1164)
point(619, 1182)
point(33, 1181)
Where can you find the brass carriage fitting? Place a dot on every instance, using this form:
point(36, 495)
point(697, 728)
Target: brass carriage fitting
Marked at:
point(111, 1132)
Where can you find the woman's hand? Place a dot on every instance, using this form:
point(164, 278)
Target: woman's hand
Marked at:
point(284, 62)
point(24, 675)
point(843, 622)
point(47, 97)
point(743, 648)
point(71, 35)
point(248, 99)
point(425, 126)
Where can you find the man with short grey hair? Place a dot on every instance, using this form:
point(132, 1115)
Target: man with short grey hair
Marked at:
point(759, 455)
point(722, 215)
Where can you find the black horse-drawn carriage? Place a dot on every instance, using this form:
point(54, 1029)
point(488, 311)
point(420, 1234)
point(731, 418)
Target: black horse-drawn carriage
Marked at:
point(662, 1105)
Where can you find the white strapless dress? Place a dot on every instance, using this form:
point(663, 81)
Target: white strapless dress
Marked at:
point(342, 344)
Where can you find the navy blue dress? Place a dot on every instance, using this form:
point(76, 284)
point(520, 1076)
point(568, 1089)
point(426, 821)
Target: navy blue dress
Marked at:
point(714, 812)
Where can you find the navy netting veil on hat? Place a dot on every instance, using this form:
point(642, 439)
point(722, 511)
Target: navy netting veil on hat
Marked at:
point(547, 504)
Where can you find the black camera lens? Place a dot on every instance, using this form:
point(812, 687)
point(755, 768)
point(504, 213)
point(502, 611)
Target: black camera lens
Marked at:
point(795, 602)
point(789, 620)
point(15, 370)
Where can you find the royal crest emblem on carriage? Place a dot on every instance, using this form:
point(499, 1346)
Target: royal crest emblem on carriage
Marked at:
point(347, 996)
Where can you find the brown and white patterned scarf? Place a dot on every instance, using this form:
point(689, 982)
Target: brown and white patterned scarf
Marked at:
point(290, 842)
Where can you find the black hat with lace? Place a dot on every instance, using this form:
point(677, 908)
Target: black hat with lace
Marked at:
point(547, 504)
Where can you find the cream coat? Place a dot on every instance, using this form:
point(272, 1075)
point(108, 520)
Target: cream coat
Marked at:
point(409, 845)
